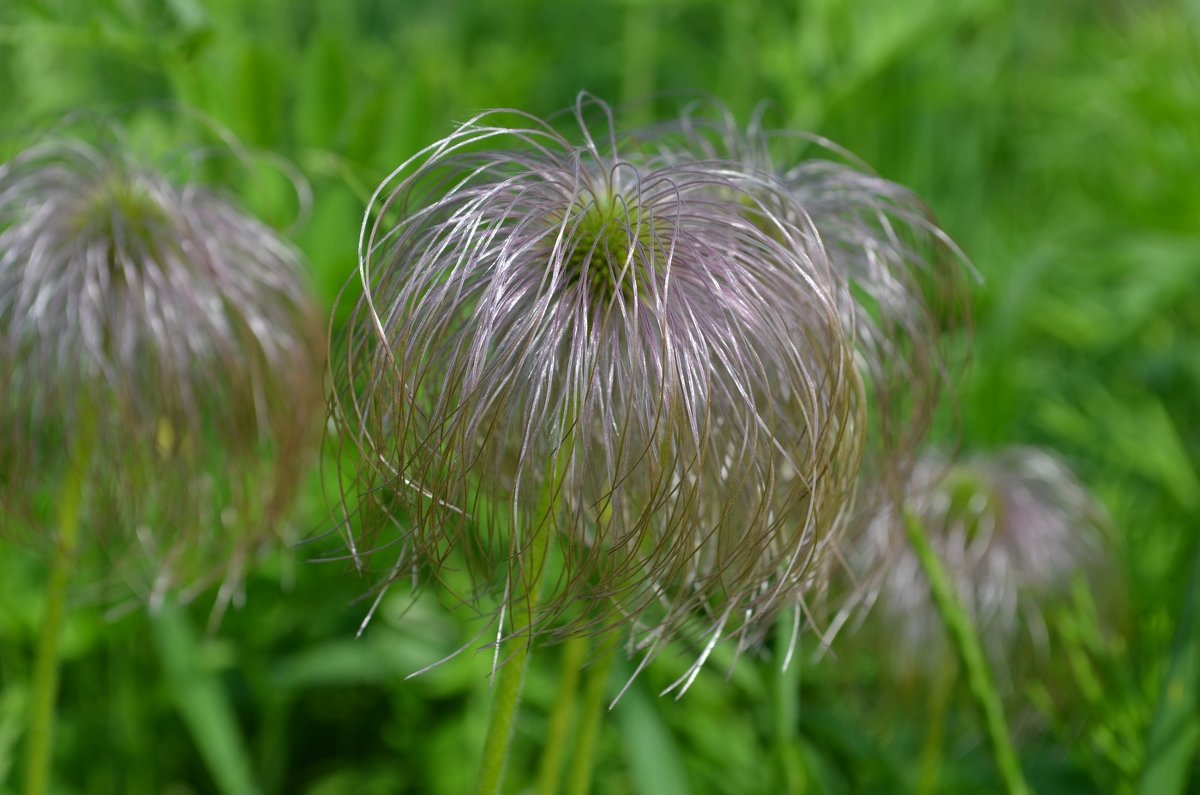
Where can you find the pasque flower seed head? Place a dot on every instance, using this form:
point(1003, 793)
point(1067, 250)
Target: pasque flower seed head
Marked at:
point(905, 280)
point(1015, 530)
point(172, 334)
point(607, 365)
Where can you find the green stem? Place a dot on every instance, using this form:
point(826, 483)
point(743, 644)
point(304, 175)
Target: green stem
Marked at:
point(935, 733)
point(505, 701)
point(584, 757)
point(506, 697)
point(574, 652)
point(787, 703)
point(970, 656)
point(641, 59)
point(40, 739)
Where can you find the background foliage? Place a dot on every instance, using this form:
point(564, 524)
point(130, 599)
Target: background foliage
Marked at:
point(1059, 144)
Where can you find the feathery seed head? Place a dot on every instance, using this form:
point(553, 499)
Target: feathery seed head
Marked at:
point(634, 355)
point(175, 334)
point(1015, 530)
point(905, 277)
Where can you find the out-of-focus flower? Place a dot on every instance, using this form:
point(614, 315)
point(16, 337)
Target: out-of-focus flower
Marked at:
point(165, 340)
point(642, 359)
point(904, 280)
point(1016, 531)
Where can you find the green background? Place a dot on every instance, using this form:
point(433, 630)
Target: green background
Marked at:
point(1057, 142)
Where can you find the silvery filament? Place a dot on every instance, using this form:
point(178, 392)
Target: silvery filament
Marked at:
point(173, 335)
point(640, 353)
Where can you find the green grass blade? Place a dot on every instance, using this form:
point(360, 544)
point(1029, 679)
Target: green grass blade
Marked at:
point(1175, 732)
point(653, 757)
point(203, 704)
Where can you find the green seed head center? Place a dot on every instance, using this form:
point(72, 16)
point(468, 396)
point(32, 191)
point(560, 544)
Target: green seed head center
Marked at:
point(972, 502)
point(613, 247)
point(123, 213)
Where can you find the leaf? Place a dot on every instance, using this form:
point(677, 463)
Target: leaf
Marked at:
point(12, 717)
point(654, 760)
point(1175, 733)
point(203, 704)
point(321, 105)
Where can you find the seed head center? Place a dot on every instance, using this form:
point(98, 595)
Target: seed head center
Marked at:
point(610, 248)
point(123, 214)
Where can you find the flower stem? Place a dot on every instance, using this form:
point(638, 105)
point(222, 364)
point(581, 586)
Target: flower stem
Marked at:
point(506, 698)
point(640, 55)
point(574, 652)
point(935, 734)
point(40, 737)
point(504, 714)
point(970, 656)
point(786, 711)
point(579, 781)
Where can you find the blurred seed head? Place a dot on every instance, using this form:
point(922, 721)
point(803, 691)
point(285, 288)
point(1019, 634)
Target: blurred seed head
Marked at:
point(1016, 531)
point(175, 332)
point(903, 280)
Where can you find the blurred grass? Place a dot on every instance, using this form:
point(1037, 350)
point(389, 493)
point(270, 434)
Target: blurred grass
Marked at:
point(1175, 732)
point(202, 703)
point(1058, 143)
